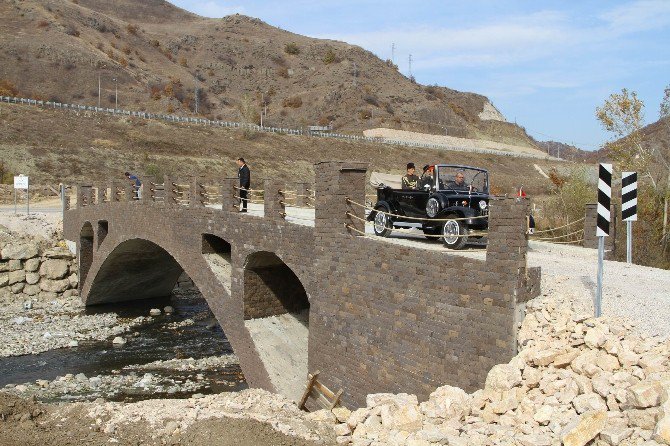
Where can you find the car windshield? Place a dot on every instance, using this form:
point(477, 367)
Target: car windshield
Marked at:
point(461, 178)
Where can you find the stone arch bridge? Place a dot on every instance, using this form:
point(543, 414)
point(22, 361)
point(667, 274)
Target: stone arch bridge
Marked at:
point(370, 315)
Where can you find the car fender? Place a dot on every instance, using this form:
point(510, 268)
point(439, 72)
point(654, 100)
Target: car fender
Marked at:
point(388, 205)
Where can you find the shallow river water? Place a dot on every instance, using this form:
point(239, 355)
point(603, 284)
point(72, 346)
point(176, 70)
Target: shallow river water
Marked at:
point(157, 340)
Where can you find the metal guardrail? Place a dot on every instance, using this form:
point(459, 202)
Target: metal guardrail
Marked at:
point(282, 130)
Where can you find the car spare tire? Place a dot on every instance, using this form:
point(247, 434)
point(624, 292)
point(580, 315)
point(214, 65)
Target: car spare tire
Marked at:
point(453, 232)
point(382, 223)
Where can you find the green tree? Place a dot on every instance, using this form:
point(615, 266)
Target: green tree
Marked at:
point(665, 104)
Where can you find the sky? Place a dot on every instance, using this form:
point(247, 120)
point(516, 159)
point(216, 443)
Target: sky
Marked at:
point(545, 65)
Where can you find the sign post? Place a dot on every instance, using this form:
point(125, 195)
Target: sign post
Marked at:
point(602, 226)
point(629, 208)
point(21, 182)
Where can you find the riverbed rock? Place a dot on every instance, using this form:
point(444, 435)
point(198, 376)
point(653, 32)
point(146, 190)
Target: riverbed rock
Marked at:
point(19, 251)
point(118, 341)
point(154, 312)
point(54, 268)
point(168, 310)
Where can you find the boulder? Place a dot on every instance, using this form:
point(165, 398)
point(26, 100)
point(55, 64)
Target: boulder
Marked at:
point(14, 265)
point(405, 417)
point(54, 268)
point(643, 418)
point(589, 402)
point(31, 290)
point(20, 251)
point(342, 429)
point(502, 377)
point(400, 399)
point(544, 415)
point(118, 341)
point(54, 286)
point(323, 416)
point(154, 312)
point(17, 276)
point(59, 253)
point(662, 429)
point(447, 402)
point(645, 394)
point(342, 414)
point(168, 310)
point(595, 337)
point(358, 416)
point(32, 265)
point(584, 429)
point(32, 278)
point(614, 435)
point(564, 360)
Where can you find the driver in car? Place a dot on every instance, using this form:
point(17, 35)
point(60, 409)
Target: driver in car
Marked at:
point(459, 182)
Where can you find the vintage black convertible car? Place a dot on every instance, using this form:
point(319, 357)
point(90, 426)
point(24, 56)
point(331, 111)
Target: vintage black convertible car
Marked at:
point(453, 204)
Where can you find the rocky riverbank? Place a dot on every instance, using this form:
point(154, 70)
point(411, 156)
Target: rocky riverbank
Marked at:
point(577, 380)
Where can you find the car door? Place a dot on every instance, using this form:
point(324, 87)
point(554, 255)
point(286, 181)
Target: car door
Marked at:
point(413, 202)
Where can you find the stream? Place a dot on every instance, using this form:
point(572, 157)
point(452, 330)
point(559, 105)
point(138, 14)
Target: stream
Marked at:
point(117, 367)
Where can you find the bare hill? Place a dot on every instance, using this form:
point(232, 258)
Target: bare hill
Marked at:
point(159, 54)
point(61, 146)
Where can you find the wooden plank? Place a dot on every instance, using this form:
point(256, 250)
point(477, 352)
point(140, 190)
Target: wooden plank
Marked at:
point(308, 389)
point(325, 390)
point(336, 399)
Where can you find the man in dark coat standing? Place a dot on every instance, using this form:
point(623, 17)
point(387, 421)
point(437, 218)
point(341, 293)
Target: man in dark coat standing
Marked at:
point(244, 175)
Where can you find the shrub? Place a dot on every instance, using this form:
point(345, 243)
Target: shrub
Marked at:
point(100, 46)
point(330, 57)
point(371, 99)
point(123, 62)
point(7, 88)
point(282, 72)
point(132, 29)
point(170, 108)
point(390, 63)
point(127, 50)
point(293, 102)
point(155, 43)
point(436, 91)
point(365, 114)
point(567, 201)
point(278, 60)
point(291, 48)
point(183, 62)
point(42, 24)
point(141, 57)
point(155, 92)
point(72, 31)
point(113, 45)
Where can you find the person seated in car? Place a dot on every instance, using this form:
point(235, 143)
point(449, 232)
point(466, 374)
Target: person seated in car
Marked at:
point(459, 182)
point(427, 177)
point(410, 181)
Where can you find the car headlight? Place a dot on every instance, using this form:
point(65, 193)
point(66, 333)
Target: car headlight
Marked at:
point(482, 204)
point(432, 207)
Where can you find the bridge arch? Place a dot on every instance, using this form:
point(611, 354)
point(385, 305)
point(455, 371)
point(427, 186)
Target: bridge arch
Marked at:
point(276, 314)
point(135, 269)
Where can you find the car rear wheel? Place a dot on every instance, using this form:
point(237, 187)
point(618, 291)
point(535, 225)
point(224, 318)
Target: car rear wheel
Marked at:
point(382, 223)
point(453, 233)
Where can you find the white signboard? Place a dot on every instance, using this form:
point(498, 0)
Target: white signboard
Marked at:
point(21, 182)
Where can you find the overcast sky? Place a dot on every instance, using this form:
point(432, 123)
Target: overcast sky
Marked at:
point(545, 64)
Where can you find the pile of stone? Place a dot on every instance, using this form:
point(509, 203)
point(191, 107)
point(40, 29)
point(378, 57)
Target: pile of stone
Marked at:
point(577, 380)
point(31, 268)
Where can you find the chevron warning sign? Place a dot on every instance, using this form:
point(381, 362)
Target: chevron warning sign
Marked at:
point(604, 199)
point(629, 196)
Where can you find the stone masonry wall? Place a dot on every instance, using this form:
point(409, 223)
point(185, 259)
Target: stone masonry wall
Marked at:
point(383, 317)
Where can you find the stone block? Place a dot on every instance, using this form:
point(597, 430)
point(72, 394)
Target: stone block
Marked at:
point(20, 251)
point(54, 268)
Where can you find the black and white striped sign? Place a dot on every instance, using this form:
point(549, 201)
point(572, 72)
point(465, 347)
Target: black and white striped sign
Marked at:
point(604, 199)
point(629, 196)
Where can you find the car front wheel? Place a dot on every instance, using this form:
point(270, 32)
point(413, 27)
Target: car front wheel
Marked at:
point(453, 233)
point(382, 223)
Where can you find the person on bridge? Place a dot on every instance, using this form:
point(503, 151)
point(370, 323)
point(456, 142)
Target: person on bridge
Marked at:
point(410, 181)
point(244, 175)
point(137, 184)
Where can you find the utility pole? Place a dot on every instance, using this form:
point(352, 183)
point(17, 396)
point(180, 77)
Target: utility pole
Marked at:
point(116, 94)
point(197, 96)
point(393, 52)
point(410, 66)
point(99, 90)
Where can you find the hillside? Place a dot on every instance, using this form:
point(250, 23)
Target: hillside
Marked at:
point(157, 54)
point(55, 146)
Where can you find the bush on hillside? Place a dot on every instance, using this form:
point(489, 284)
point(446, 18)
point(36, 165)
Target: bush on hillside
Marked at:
point(436, 92)
point(7, 88)
point(282, 72)
point(42, 24)
point(70, 30)
point(371, 99)
point(292, 48)
point(132, 29)
point(183, 61)
point(292, 102)
point(390, 63)
point(330, 57)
